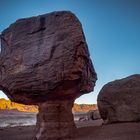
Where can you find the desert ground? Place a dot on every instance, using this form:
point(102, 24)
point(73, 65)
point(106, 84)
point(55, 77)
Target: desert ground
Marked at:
point(86, 130)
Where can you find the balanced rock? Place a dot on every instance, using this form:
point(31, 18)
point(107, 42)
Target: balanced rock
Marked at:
point(44, 60)
point(119, 101)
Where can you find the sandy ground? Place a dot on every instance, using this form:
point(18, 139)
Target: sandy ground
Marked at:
point(87, 130)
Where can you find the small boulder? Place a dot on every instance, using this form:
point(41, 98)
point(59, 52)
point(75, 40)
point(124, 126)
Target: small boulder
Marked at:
point(94, 114)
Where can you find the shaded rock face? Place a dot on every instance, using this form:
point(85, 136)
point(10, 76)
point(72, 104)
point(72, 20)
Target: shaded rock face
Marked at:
point(44, 60)
point(41, 55)
point(119, 101)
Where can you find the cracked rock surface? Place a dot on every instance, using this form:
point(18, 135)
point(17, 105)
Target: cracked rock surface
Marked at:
point(45, 60)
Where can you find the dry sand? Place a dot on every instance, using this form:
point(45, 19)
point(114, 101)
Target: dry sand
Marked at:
point(87, 130)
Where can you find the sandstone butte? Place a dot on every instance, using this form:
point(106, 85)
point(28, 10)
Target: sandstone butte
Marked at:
point(45, 61)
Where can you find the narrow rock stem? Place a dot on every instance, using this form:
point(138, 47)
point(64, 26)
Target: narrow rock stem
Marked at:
point(55, 121)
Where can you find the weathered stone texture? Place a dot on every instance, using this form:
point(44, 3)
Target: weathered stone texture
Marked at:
point(55, 118)
point(44, 60)
point(41, 54)
point(119, 101)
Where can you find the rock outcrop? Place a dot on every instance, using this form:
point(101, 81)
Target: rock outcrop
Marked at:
point(119, 101)
point(45, 61)
point(84, 107)
point(8, 105)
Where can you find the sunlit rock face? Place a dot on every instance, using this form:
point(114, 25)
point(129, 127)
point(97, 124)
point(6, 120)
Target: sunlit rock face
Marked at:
point(45, 59)
point(119, 101)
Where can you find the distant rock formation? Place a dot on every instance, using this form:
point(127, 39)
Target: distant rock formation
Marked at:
point(8, 105)
point(84, 107)
point(45, 61)
point(119, 101)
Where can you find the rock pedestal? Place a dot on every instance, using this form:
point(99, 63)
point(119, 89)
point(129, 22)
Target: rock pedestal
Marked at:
point(55, 121)
point(45, 61)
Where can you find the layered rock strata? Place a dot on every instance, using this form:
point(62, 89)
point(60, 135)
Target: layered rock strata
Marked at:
point(55, 120)
point(45, 61)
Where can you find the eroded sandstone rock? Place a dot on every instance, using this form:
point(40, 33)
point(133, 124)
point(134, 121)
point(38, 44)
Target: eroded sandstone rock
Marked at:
point(55, 120)
point(119, 101)
point(44, 60)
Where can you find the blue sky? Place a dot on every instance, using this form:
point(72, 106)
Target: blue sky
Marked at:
point(111, 27)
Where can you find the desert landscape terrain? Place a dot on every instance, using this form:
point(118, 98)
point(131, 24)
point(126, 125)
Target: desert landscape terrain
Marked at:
point(16, 125)
point(47, 66)
point(87, 130)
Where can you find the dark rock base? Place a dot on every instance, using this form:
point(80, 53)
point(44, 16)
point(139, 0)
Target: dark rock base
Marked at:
point(55, 121)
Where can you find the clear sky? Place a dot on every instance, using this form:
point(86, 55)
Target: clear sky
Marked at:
point(111, 27)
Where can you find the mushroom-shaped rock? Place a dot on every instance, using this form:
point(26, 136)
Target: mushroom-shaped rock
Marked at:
point(119, 101)
point(44, 60)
